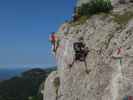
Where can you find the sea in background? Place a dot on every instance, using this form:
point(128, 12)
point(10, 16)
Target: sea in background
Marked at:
point(6, 73)
point(9, 72)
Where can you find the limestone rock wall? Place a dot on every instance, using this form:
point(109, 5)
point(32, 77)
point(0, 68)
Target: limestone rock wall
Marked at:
point(114, 2)
point(110, 60)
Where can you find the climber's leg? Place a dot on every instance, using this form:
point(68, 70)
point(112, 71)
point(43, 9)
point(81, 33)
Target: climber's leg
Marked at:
point(120, 61)
point(86, 69)
point(76, 58)
point(85, 62)
point(70, 65)
point(53, 47)
point(57, 45)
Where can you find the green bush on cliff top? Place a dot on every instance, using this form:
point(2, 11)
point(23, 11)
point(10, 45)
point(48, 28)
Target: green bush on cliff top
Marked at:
point(94, 7)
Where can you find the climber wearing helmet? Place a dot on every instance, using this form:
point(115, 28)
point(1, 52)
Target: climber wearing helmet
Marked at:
point(81, 52)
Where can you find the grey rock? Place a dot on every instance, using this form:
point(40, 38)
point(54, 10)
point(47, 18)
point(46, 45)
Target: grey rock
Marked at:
point(111, 74)
point(114, 2)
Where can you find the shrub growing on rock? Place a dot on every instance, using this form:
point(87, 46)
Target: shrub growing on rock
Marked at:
point(95, 6)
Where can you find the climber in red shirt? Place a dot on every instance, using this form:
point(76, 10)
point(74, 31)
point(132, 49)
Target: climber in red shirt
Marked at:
point(53, 41)
point(128, 98)
point(119, 50)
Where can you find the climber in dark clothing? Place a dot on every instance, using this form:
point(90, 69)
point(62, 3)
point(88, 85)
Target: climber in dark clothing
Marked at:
point(81, 52)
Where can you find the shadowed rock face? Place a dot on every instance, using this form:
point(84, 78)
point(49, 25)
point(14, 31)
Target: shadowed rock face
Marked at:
point(110, 60)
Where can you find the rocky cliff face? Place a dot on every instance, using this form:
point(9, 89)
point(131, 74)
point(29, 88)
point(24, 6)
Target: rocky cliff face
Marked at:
point(114, 2)
point(109, 38)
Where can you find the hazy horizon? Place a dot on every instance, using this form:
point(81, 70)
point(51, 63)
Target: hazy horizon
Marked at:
point(25, 28)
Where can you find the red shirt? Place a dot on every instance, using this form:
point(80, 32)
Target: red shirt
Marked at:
point(119, 51)
point(53, 37)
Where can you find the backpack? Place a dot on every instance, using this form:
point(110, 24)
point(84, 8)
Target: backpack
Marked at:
point(78, 46)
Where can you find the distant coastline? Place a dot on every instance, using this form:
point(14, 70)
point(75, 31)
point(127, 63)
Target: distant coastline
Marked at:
point(7, 73)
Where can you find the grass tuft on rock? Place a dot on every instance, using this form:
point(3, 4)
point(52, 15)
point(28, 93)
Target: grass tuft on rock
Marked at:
point(124, 18)
point(94, 7)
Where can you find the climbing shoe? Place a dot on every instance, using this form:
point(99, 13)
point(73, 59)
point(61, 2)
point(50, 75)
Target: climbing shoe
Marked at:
point(87, 71)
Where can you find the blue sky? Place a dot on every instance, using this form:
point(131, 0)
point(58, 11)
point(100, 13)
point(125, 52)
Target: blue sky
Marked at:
point(25, 26)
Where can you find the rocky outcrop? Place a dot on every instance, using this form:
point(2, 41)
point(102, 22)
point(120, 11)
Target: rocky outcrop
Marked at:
point(114, 2)
point(110, 60)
